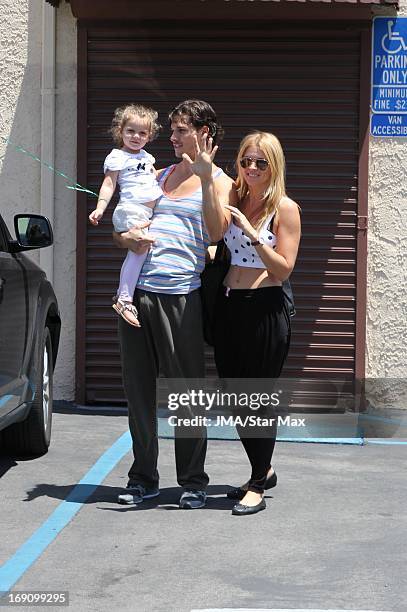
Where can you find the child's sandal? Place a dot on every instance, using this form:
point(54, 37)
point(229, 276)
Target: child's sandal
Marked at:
point(123, 307)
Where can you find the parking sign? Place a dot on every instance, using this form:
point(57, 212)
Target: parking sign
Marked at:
point(389, 77)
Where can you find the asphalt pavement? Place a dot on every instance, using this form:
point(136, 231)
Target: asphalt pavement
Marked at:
point(333, 536)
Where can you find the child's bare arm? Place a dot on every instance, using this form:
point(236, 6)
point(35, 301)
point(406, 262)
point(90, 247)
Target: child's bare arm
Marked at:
point(105, 195)
point(135, 239)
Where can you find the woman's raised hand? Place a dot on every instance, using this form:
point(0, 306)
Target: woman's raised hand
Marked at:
point(240, 220)
point(204, 155)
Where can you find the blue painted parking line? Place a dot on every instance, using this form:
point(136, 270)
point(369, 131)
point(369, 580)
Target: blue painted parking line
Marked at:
point(28, 553)
point(5, 399)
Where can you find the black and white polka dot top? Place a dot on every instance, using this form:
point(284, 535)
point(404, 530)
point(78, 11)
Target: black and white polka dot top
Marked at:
point(239, 245)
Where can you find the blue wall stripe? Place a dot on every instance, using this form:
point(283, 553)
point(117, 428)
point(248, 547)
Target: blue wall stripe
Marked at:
point(379, 441)
point(228, 432)
point(32, 548)
point(372, 417)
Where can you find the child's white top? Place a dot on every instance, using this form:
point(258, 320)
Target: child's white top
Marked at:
point(136, 178)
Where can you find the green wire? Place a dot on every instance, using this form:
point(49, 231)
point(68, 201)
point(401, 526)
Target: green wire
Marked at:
point(75, 186)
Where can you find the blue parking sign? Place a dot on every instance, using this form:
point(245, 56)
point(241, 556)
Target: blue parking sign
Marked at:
point(388, 126)
point(389, 73)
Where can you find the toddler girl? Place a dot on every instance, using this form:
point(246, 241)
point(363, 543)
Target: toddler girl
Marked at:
point(133, 126)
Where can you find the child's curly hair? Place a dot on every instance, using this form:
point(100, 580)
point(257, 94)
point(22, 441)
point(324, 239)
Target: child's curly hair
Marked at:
point(125, 113)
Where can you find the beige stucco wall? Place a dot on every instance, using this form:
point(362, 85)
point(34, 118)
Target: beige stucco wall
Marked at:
point(20, 105)
point(386, 351)
point(20, 176)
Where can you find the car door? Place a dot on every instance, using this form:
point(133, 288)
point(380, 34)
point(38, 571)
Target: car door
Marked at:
point(13, 326)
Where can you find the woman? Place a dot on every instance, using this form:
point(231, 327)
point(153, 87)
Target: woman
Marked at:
point(252, 327)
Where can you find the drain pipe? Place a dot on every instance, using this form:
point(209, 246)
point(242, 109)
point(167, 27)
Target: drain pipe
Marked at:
point(48, 128)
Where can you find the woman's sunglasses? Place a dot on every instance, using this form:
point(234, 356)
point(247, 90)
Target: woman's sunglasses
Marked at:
point(261, 164)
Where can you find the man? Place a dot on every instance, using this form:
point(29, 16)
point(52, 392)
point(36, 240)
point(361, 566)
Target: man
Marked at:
point(170, 339)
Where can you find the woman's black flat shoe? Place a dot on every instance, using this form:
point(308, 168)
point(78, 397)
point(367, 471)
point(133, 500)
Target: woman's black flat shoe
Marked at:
point(239, 493)
point(241, 510)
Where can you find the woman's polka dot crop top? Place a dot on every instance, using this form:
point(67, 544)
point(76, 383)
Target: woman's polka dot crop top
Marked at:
point(242, 252)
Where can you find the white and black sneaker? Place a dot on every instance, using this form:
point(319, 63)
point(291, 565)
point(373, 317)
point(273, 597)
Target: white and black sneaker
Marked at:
point(191, 499)
point(136, 493)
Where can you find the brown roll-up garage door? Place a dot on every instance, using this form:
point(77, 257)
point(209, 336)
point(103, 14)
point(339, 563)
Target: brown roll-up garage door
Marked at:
point(301, 82)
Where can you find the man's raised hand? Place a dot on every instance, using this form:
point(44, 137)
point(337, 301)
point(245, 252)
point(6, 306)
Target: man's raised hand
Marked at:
point(204, 156)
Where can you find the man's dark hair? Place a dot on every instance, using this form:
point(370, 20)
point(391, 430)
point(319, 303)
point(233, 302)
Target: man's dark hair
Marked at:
point(199, 113)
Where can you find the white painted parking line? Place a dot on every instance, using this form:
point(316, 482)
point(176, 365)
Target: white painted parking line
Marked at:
point(278, 610)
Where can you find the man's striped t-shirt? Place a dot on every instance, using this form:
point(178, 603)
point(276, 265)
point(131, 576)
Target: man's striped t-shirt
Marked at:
point(176, 259)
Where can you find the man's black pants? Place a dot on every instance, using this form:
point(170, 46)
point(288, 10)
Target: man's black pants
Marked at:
point(170, 342)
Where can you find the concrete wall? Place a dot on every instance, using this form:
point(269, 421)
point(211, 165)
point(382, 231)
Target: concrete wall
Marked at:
point(65, 199)
point(20, 176)
point(387, 264)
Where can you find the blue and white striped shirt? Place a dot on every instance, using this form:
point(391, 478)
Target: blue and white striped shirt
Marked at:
point(176, 259)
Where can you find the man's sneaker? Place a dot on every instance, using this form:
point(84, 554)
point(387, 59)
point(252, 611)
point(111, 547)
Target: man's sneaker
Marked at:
point(136, 493)
point(191, 499)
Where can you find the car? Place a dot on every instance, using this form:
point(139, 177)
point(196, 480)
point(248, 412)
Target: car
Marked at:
point(30, 326)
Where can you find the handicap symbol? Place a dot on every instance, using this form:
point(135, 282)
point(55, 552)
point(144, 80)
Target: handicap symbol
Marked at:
point(392, 37)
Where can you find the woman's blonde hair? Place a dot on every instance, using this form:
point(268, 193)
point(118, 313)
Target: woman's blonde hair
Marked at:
point(273, 152)
point(125, 113)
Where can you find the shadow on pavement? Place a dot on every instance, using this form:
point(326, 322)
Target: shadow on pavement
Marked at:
point(65, 407)
point(6, 463)
point(167, 500)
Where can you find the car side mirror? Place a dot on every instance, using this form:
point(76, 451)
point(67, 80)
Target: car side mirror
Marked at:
point(32, 231)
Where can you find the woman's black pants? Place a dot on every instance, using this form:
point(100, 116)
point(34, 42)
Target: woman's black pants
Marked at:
point(251, 340)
